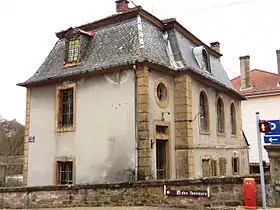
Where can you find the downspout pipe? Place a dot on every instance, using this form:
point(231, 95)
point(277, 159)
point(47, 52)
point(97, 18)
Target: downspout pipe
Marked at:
point(136, 121)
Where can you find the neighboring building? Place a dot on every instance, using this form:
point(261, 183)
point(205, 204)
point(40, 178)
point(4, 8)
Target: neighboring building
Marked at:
point(131, 96)
point(263, 95)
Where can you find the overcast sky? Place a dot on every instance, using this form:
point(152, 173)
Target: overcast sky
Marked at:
point(28, 34)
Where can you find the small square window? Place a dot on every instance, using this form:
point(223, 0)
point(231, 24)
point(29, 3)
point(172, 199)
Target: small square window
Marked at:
point(65, 173)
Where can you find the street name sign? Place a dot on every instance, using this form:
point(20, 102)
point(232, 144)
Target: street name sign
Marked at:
point(273, 136)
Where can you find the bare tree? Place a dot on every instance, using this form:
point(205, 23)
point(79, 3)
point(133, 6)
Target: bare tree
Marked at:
point(11, 151)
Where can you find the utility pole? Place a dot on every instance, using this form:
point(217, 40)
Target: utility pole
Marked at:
point(261, 160)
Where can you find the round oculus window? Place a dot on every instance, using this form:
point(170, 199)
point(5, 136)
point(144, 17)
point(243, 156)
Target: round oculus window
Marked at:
point(161, 93)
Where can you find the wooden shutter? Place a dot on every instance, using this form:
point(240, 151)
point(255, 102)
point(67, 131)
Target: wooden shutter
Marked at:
point(213, 167)
point(205, 168)
point(222, 166)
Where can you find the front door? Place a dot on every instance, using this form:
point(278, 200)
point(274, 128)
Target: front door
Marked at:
point(161, 159)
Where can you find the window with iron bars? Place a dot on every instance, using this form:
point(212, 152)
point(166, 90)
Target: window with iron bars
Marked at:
point(66, 107)
point(65, 173)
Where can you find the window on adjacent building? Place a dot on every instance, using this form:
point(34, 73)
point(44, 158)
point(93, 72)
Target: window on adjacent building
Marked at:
point(65, 173)
point(233, 119)
point(205, 61)
point(65, 107)
point(222, 166)
point(235, 165)
point(73, 50)
point(220, 116)
point(204, 117)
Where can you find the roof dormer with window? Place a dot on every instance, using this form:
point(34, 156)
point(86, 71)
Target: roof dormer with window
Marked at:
point(202, 57)
point(75, 45)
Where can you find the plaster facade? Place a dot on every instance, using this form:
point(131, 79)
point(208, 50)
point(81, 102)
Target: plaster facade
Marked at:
point(214, 145)
point(188, 146)
point(155, 114)
point(103, 143)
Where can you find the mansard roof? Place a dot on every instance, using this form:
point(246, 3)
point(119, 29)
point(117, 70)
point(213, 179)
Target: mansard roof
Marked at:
point(129, 38)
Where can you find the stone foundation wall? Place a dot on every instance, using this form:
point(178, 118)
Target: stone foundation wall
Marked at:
point(223, 192)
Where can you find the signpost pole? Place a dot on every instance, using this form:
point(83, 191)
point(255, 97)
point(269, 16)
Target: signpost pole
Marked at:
point(261, 161)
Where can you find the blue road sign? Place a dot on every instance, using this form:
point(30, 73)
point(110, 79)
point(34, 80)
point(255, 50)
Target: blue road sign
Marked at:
point(272, 139)
point(31, 139)
point(274, 135)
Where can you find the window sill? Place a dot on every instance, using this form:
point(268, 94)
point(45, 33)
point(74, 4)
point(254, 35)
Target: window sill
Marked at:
point(65, 129)
point(205, 132)
point(233, 135)
point(221, 134)
point(72, 64)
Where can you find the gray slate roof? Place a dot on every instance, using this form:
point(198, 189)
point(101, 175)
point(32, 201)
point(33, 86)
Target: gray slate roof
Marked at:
point(119, 44)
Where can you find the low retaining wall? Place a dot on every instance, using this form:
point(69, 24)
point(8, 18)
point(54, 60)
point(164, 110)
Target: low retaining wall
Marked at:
point(225, 191)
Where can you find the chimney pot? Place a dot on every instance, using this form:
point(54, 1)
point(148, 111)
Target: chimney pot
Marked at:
point(215, 46)
point(245, 71)
point(122, 6)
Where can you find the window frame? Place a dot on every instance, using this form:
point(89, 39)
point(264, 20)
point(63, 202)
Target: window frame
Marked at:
point(206, 129)
point(205, 60)
point(60, 128)
point(206, 167)
point(73, 39)
point(237, 165)
point(221, 117)
point(161, 103)
point(57, 172)
point(233, 121)
point(209, 167)
point(166, 136)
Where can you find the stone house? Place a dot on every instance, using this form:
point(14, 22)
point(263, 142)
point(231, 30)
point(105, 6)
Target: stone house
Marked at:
point(131, 97)
point(261, 88)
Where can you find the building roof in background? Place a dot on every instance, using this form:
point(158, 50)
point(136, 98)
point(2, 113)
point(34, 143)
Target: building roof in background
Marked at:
point(263, 82)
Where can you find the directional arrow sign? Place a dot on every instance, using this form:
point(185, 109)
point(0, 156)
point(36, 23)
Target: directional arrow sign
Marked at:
point(272, 139)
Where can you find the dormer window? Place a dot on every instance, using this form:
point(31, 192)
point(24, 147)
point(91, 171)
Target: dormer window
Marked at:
point(77, 41)
point(73, 50)
point(205, 61)
point(202, 58)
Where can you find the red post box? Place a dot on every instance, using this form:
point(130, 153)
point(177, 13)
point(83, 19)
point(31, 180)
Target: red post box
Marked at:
point(250, 193)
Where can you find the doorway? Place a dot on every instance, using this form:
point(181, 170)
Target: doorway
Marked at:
point(161, 159)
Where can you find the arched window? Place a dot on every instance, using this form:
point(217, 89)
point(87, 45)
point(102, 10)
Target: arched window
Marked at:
point(205, 62)
point(204, 116)
point(233, 119)
point(220, 116)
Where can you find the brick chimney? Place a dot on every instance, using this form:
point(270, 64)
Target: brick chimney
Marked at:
point(215, 46)
point(122, 6)
point(278, 65)
point(245, 71)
